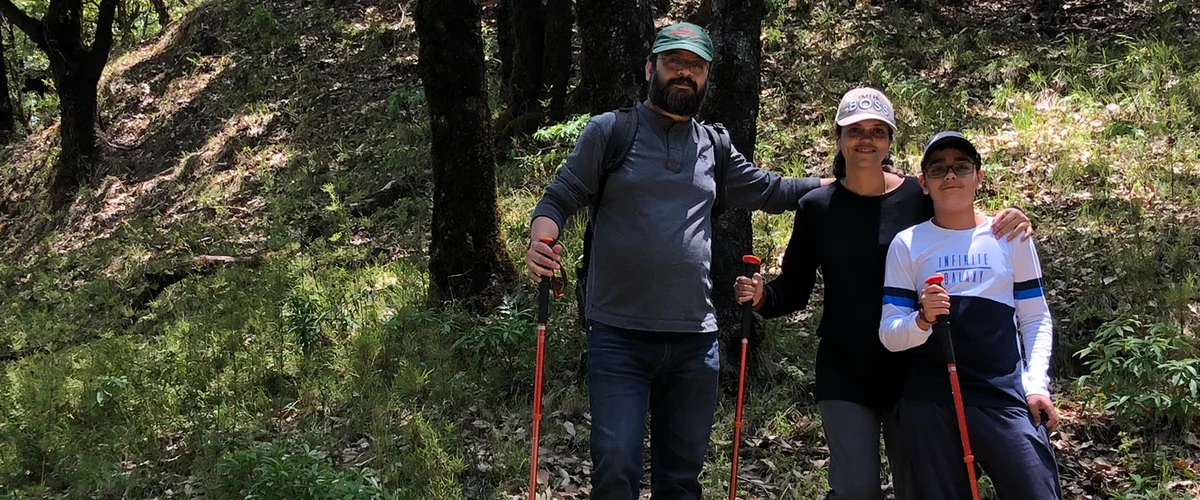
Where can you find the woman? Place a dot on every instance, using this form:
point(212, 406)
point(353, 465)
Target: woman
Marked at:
point(845, 229)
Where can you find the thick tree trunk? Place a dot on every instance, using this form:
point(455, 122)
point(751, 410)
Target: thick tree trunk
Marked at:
point(733, 100)
point(616, 40)
point(76, 87)
point(557, 73)
point(466, 257)
point(6, 110)
point(703, 15)
point(164, 13)
point(525, 81)
point(76, 70)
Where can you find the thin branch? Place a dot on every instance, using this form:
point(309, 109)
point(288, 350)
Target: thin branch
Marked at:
point(104, 34)
point(32, 27)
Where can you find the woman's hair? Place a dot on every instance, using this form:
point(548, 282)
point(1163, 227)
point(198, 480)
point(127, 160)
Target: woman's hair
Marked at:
point(839, 160)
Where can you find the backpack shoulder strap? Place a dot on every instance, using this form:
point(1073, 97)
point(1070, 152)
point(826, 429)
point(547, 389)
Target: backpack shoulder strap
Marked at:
point(620, 142)
point(722, 150)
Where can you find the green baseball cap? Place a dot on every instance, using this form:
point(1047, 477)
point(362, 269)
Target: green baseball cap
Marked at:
point(686, 36)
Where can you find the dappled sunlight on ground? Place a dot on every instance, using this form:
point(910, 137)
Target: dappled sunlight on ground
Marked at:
point(251, 133)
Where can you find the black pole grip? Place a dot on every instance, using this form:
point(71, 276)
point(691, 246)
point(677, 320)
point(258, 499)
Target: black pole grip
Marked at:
point(752, 264)
point(544, 300)
point(544, 289)
point(747, 319)
point(941, 325)
point(942, 330)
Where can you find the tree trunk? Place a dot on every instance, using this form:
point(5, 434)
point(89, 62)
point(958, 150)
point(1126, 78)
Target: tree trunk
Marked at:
point(126, 19)
point(76, 70)
point(18, 84)
point(505, 44)
point(164, 13)
point(733, 100)
point(525, 81)
point(76, 90)
point(6, 110)
point(557, 65)
point(703, 14)
point(616, 40)
point(466, 256)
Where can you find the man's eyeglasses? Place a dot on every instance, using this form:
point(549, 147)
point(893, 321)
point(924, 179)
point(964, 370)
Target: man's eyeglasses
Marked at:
point(696, 66)
point(961, 169)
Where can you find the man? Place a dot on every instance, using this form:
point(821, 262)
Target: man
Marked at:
point(652, 344)
point(987, 281)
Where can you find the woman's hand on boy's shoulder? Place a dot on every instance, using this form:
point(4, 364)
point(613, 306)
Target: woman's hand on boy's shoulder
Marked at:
point(1010, 223)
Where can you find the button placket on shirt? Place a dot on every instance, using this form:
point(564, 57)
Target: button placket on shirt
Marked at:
point(677, 136)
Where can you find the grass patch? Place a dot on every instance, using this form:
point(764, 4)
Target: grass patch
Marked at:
point(320, 366)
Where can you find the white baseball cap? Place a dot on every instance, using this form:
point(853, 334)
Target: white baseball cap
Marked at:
point(866, 103)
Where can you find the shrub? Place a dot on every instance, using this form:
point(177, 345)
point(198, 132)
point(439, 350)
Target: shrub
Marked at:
point(269, 471)
point(1146, 373)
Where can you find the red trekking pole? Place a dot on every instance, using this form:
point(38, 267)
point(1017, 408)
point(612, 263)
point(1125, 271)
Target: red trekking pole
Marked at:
point(752, 263)
point(942, 330)
point(543, 316)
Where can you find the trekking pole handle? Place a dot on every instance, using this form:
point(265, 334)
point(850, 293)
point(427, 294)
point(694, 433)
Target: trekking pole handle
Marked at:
point(941, 327)
point(752, 264)
point(544, 289)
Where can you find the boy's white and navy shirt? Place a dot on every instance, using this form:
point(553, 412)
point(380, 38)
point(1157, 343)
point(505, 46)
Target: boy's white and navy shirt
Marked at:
point(995, 287)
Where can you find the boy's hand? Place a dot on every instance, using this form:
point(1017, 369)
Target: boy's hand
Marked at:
point(1010, 223)
point(1039, 404)
point(934, 302)
point(746, 289)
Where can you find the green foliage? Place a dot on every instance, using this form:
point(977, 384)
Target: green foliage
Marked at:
point(1138, 487)
point(261, 19)
point(302, 317)
point(110, 387)
point(429, 468)
point(1146, 372)
point(330, 339)
point(502, 336)
point(563, 133)
point(269, 471)
point(403, 100)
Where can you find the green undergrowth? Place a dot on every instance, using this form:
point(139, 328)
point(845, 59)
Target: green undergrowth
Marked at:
point(315, 368)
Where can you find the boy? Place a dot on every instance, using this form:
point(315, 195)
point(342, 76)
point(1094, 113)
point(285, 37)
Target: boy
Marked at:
point(988, 281)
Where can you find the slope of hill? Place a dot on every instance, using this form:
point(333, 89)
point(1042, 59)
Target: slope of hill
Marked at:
point(235, 304)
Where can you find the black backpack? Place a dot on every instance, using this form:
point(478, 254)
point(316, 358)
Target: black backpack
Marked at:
point(620, 142)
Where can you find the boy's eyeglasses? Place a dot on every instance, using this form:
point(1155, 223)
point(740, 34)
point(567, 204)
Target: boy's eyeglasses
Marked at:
point(961, 169)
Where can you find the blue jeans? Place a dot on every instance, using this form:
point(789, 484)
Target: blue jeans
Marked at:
point(671, 375)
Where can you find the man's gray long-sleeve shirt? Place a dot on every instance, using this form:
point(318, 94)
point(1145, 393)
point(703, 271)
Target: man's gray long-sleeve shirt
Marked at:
point(652, 246)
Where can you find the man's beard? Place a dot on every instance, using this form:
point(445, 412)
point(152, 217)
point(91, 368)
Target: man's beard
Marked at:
point(674, 100)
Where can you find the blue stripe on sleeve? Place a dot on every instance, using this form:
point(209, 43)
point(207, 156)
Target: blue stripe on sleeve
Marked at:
point(1030, 289)
point(900, 297)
